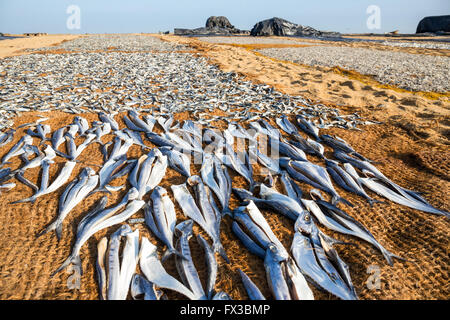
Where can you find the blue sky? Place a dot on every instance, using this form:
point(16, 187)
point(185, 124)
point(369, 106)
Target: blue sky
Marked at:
point(119, 16)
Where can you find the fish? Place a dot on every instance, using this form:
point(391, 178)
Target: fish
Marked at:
point(154, 271)
point(177, 161)
point(211, 265)
point(255, 225)
point(71, 197)
point(365, 166)
point(48, 154)
point(120, 274)
point(285, 280)
point(308, 127)
point(292, 207)
point(141, 286)
point(232, 160)
point(313, 175)
point(312, 260)
point(207, 218)
point(108, 119)
point(17, 149)
point(214, 177)
point(7, 137)
point(82, 124)
point(102, 246)
point(59, 181)
point(99, 219)
point(161, 219)
point(251, 288)
point(58, 137)
point(346, 181)
point(107, 172)
point(192, 128)
point(339, 144)
point(288, 150)
point(264, 160)
point(148, 171)
point(185, 266)
point(337, 220)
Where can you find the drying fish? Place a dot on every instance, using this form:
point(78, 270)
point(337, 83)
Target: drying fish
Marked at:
point(217, 179)
point(393, 195)
point(337, 220)
point(365, 166)
point(232, 160)
point(108, 119)
point(285, 280)
point(165, 123)
point(141, 286)
point(161, 219)
point(75, 192)
point(346, 181)
point(313, 175)
point(185, 266)
point(100, 267)
point(60, 180)
point(252, 290)
point(339, 144)
point(308, 127)
point(154, 271)
point(312, 260)
point(41, 132)
point(6, 137)
point(99, 219)
point(288, 150)
point(211, 265)
point(265, 160)
point(107, 172)
point(253, 223)
point(192, 128)
point(177, 161)
point(58, 137)
point(120, 273)
point(17, 149)
point(208, 218)
point(148, 171)
point(82, 124)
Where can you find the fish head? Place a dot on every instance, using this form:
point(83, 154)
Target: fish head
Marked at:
point(304, 223)
point(276, 253)
point(184, 227)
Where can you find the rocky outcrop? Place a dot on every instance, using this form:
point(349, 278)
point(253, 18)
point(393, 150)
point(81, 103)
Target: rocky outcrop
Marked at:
point(434, 24)
point(281, 27)
point(220, 26)
point(219, 22)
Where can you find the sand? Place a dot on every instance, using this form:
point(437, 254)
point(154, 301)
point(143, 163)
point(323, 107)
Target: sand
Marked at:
point(412, 148)
point(12, 47)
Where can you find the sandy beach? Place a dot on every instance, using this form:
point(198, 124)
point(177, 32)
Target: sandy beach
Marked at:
point(411, 147)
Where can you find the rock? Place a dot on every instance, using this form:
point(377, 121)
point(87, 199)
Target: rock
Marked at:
point(219, 26)
point(434, 24)
point(220, 22)
point(281, 27)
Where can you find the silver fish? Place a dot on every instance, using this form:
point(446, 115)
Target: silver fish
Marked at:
point(141, 286)
point(251, 288)
point(185, 266)
point(154, 271)
point(177, 160)
point(71, 197)
point(211, 265)
point(100, 267)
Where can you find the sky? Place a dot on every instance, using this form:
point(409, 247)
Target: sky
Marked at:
point(149, 16)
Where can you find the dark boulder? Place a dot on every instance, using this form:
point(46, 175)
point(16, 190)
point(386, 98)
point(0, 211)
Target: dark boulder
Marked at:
point(219, 22)
point(274, 27)
point(434, 24)
point(219, 26)
point(281, 27)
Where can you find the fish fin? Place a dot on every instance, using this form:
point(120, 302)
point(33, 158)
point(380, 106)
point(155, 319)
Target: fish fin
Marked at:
point(169, 252)
point(389, 257)
point(70, 260)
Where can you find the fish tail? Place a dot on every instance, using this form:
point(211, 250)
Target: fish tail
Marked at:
point(72, 259)
point(31, 199)
point(389, 257)
point(50, 227)
point(219, 248)
point(169, 252)
point(337, 199)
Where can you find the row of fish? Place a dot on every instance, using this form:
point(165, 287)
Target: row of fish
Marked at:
point(312, 257)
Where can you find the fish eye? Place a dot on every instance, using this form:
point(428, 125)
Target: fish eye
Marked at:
point(307, 218)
